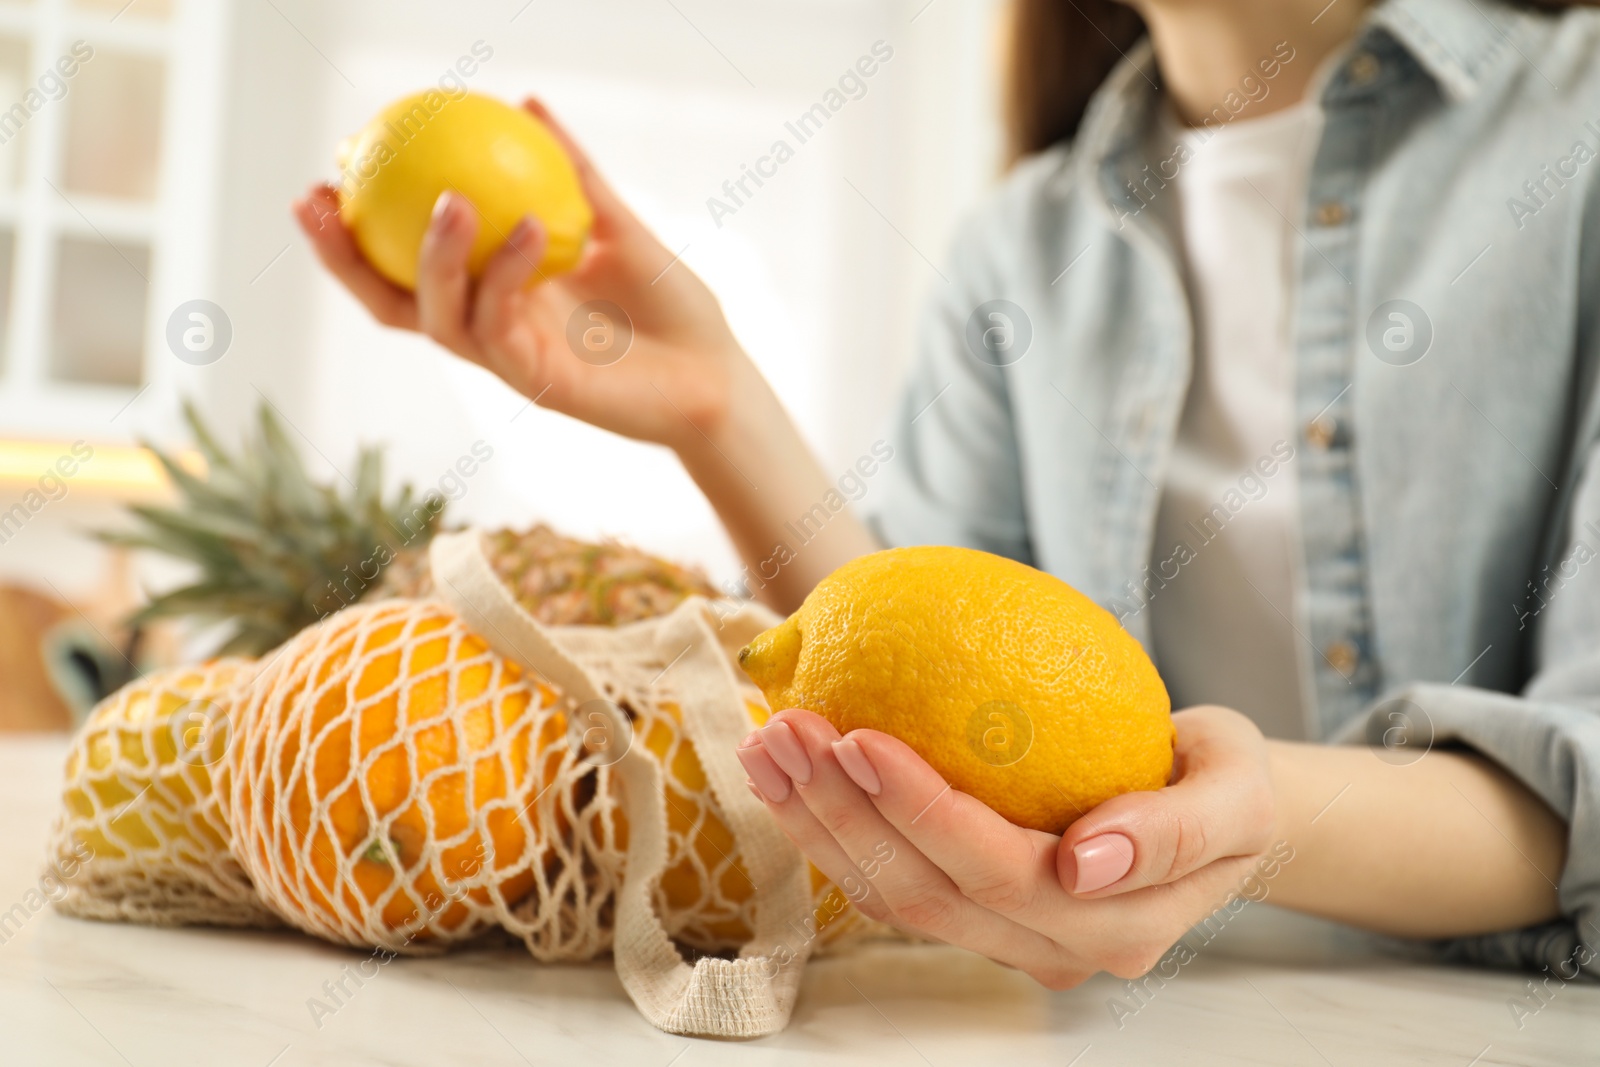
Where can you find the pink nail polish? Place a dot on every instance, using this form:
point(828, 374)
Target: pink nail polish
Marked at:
point(521, 232)
point(1102, 860)
point(754, 791)
point(784, 744)
point(769, 780)
point(857, 766)
point(751, 739)
point(442, 209)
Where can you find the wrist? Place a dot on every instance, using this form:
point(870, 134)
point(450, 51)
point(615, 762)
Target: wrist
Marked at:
point(1286, 814)
point(732, 422)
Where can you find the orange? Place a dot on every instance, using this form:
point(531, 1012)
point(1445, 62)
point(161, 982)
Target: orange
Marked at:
point(384, 780)
point(705, 891)
point(385, 775)
point(702, 882)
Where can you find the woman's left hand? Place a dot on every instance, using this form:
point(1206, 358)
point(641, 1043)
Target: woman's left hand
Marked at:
point(1113, 894)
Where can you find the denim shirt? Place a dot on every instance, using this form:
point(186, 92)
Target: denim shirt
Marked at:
point(1444, 332)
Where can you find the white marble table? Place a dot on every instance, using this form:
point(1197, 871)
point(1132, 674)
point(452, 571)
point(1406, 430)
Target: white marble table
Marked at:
point(1271, 989)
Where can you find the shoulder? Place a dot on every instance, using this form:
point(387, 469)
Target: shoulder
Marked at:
point(1037, 188)
point(1555, 56)
point(1023, 220)
point(1494, 57)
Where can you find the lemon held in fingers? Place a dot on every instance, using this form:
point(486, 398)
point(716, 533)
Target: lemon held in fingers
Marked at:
point(503, 160)
point(1014, 686)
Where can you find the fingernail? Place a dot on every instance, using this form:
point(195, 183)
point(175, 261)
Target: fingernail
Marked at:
point(751, 739)
point(442, 206)
point(857, 766)
point(521, 231)
point(1102, 859)
point(787, 751)
point(770, 782)
point(754, 791)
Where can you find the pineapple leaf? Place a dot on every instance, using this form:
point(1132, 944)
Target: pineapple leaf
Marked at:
point(368, 494)
point(274, 550)
point(187, 483)
point(216, 458)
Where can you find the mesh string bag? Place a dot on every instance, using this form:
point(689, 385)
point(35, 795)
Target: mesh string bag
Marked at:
point(705, 897)
point(411, 774)
point(650, 704)
point(140, 836)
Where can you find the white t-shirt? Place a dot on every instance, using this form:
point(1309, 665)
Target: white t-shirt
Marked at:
point(1224, 625)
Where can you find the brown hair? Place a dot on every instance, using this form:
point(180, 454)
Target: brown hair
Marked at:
point(1057, 54)
point(1059, 51)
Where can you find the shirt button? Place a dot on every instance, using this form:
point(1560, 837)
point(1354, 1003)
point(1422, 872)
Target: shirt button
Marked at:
point(1364, 68)
point(1331, 213)
point(1342, 657)
point(1320, 432)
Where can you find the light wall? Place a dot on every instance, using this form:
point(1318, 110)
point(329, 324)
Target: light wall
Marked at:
point(822, 273)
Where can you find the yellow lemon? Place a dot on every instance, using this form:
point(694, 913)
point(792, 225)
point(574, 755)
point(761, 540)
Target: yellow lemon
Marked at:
point(139, 772)
point(1014, 686)
point(502, 159)
point(142, 834)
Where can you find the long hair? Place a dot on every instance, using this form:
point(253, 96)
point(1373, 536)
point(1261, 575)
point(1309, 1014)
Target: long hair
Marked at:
point(1059, 51)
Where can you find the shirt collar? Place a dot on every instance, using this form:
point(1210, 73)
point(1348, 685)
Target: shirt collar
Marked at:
point(1455, 42)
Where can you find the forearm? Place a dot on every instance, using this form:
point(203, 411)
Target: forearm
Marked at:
point(765, 485)
point(1445, 846)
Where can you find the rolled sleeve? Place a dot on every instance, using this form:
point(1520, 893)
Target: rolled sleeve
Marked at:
point(1547, 737)
point(1551, 743)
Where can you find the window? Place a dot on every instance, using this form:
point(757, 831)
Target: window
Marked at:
point(106, 137)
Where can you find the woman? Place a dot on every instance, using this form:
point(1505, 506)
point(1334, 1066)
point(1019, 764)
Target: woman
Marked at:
point(1279, 341)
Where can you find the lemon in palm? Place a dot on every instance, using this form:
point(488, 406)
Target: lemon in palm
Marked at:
point(1014, 686)
point(502, 159)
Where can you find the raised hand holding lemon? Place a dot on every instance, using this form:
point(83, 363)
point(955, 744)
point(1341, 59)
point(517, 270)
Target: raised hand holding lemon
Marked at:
point(683, 382)
point(492, 236)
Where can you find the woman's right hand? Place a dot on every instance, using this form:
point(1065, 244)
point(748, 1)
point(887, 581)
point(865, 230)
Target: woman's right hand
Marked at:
point(676, 384)
point(684, 382)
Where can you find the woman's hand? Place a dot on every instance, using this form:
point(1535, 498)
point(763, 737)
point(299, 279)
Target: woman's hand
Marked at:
point(683, 382)
point(1113, 894)
point(678, 379)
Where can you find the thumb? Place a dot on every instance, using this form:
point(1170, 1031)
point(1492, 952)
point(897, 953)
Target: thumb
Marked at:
point(1220, 805)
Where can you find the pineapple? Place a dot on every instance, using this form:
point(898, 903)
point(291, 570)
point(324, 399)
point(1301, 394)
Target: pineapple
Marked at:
point(564, 582)
point(278, 552)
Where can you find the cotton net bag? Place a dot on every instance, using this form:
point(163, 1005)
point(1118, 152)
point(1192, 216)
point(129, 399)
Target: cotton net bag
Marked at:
point(411, 774)
point(650, 704)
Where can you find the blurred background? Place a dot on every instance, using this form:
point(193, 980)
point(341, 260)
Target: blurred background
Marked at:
point(148, 154)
